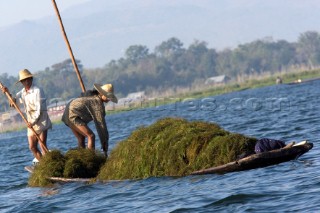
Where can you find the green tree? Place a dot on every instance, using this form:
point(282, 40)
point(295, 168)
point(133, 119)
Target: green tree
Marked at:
point(67, 66)
point(137, 52)
point(172, 46)
point(308, 48)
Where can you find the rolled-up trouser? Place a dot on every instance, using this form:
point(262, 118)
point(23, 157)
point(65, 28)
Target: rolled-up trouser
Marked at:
point(43, 124)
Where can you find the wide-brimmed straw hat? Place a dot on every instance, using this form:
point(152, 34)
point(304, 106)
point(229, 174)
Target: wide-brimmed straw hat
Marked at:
point(24, 74)
point(106, 90)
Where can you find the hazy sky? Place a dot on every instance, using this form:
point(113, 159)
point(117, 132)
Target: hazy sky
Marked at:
point(14, 11)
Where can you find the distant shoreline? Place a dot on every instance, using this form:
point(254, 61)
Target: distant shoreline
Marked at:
point(252, 83)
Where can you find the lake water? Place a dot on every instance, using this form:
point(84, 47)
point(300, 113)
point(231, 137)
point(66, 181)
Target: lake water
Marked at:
point(286, 112)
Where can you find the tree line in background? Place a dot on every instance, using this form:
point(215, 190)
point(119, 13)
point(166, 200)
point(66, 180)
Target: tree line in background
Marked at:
point(171, 65)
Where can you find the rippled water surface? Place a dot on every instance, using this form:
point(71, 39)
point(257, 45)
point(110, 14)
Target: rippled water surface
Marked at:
point(286, 112)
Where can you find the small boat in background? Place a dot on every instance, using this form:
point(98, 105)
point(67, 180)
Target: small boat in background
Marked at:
point(299, 81)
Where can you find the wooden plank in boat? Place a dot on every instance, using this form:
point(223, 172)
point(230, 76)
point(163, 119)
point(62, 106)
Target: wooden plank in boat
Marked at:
point(29, 168)
point(61, 179)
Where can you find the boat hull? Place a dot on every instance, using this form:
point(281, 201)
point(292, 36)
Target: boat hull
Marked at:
point(259, 160)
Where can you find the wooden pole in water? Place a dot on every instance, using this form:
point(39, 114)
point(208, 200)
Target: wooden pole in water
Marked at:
point(68, 45)
point(13, 103)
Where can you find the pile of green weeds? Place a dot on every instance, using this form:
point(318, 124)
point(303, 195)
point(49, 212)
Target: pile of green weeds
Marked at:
point(169, 147)
point(76, 163)
point(173, 147)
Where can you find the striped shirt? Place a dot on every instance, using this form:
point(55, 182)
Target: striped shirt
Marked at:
point(81, 111)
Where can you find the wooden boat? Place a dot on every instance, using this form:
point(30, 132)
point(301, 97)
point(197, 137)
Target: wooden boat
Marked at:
point(290, 152)
point(299, 81)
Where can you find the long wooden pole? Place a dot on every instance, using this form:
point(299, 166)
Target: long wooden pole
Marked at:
point(13, 103)
point(68, 45)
